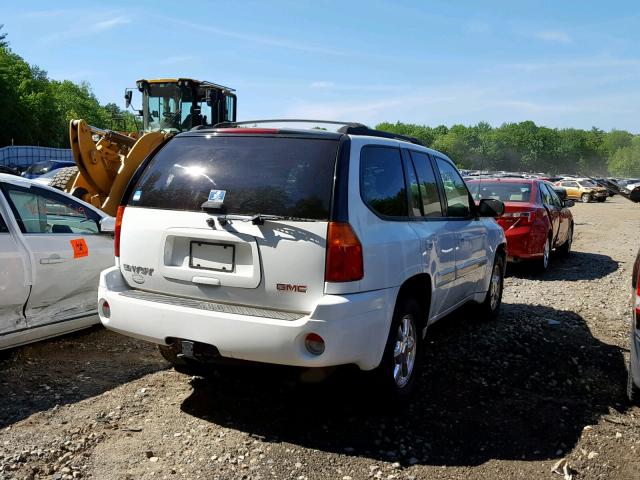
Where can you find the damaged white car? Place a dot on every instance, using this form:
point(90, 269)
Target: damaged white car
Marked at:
point(52, 249)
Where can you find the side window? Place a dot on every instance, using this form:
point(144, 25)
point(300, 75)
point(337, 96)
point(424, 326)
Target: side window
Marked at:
point(571, 184)
point(3, 226)
point(230, 114)
point(546, 196)
point(40, 211)
point(555, 199)
point(428, 185)
point(414, 189)
point(455, 190)
point(382, 181)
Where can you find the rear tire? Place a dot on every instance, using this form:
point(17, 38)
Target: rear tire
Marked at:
point(565, 248)
point(64, 178)
point(490, 308)
point(633, 392)
point(602, 199)
point(542, 264)
point(396, 375)
point(585, 198)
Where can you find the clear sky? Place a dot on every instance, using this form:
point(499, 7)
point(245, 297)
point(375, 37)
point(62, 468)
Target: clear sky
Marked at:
point(559, 63)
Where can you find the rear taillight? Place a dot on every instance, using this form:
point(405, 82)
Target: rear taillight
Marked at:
point(344, 254)
point(116, 239)
point(525, 216)
point(637, 300)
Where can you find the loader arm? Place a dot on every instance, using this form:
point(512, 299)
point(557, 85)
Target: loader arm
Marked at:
point(105, 166)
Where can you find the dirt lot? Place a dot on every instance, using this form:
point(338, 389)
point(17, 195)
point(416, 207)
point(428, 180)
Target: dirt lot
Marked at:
point(499, 400)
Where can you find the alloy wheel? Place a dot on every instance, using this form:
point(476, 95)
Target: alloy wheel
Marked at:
point(495, 287)
point(404, 352)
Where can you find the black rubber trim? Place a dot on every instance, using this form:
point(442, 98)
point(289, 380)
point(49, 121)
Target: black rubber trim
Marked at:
point(35, 327)
point(339, 211)
point(138, 173)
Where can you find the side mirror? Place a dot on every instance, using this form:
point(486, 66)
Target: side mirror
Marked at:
point(561, 191)
point(490, 207)
point(108, 225)
point(569, 203)
point(128, 96)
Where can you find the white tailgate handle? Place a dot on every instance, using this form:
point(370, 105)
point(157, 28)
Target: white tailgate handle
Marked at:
point(206, 281)
point(55, 258)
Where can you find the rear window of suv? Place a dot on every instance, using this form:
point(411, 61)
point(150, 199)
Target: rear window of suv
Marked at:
point(268, 175)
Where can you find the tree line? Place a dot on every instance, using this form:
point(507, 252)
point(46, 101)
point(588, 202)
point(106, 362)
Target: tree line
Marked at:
point(527, 147)
point(36, 110)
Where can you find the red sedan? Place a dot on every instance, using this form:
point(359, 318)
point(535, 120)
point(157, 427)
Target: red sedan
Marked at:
point(536, 220)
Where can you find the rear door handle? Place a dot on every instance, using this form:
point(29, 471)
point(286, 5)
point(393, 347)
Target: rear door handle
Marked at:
point(55, 258)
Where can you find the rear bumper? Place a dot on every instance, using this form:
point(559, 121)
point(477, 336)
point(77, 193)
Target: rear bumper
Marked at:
point(354, 327)
point(524, 244)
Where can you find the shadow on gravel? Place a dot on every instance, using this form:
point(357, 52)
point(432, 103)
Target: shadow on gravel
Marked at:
point(579, 266)
point(520, 387)
point(69, 369)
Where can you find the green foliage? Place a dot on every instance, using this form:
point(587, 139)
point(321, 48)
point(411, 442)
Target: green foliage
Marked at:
point(528, 147)
point(37, 110)
point(3, 37)
point(625, 162)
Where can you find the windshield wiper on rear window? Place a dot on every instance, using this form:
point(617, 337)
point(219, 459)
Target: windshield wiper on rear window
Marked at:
point(260, 218)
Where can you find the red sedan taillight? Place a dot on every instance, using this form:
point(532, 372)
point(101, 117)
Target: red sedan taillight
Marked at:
point(637, 300)
point(522, 217)
point(116, 239)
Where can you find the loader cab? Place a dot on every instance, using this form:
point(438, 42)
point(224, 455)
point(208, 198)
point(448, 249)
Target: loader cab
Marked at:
point(177, 105)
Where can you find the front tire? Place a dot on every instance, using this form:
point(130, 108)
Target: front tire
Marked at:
point(63, 178)
point(490, 307)
point(396, 374)
point(586, 198)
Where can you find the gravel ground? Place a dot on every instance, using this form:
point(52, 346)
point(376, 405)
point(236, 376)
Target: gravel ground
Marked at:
point(498, 400)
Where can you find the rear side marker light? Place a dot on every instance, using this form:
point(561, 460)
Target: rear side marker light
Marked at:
point(116, 233)
point(344, 254)
point(105, 309)
point(314, 344)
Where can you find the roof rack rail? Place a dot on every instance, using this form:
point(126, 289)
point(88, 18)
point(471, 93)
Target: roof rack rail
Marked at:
point(285, 120)
point(372, 132)
point(349, 128)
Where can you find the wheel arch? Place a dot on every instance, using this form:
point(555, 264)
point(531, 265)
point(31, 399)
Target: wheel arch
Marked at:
point(419, 287)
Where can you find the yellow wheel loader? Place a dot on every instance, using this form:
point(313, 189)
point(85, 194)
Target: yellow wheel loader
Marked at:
point(106, 160)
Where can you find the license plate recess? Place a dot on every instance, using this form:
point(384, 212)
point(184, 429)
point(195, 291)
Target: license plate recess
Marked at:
point(218, 257)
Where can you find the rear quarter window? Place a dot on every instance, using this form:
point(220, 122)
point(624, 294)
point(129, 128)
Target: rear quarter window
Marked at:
point(269, 175)
point(382, 183)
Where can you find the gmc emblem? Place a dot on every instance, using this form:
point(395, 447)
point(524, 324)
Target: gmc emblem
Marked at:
point(287, 287)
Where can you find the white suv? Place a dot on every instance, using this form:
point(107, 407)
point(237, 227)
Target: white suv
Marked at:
point(299, 247)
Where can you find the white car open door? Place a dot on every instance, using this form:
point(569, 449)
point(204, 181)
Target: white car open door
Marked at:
point(68, 253)
point(14, 285)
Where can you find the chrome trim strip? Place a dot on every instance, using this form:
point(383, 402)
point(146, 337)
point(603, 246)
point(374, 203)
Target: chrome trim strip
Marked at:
point(212, 306)
point(471, 267)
